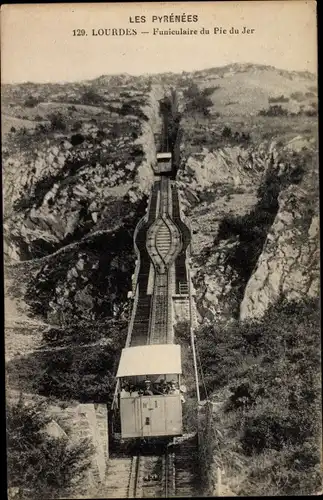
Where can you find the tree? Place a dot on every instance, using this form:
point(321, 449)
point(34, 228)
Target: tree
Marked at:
point(39, 465)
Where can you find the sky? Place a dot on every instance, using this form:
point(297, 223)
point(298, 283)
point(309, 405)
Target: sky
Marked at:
point(37, 42)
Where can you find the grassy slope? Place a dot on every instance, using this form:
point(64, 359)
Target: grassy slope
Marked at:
point(248, 92)
point(270, 424)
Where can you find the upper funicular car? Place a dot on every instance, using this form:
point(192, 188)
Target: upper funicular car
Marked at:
point(163, 164)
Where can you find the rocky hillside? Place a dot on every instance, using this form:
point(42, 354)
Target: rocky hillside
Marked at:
point(81, 175)
point(245, 175)
point(77, 173)
point(76, 161)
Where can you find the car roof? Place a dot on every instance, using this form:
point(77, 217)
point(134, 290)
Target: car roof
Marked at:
point(156, 359)
point(164, 155)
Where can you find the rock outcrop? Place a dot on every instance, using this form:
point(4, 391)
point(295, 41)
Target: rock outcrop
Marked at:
point(224, 183)
point(289, 264)
point(59, 192)
point(233, 166)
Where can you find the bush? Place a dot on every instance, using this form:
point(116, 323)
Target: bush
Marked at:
point(298, 96)
point(31, 102)
point(275, 110)
point(76, 127)
point(281, 98)
point(311, 112)
point(69, 374)
point(91, 97)
point(226, 132)
point(41, 128)
point(38, 464)
point(131, 109)
point(209, 90)
point(196, 100)
point(236, 137)
point(77, 139)
point(57, 122)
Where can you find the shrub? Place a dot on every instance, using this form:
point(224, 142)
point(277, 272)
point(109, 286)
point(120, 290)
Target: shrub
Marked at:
point(76, 126)
point(91, 97)
point(43, 466)
point(197, 100)
point(209, 90)
point(41, 128)
point(226, 132)
point(235, 137)
point(31, 102)
point(69, 374)
point(77, 139)
point(131, 109)
point(298, 96)
point(57, 122)
point(275, 110)
point(311, 112)
point(281, 98)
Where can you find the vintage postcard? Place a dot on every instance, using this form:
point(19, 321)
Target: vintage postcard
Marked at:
point(161, 249)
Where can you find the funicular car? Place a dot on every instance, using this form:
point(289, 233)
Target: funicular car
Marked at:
point(150, 400)
point(163, 164)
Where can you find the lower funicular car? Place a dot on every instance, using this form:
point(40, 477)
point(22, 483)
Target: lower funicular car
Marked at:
point(149, 397)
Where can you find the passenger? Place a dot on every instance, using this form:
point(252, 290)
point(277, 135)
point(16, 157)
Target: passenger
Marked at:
point(173, 389)
point(140, 392)
point(158, 388)
point(133, 391)
point(147, 390)
point(125, 391)
point(164, 389)
point(151, 477)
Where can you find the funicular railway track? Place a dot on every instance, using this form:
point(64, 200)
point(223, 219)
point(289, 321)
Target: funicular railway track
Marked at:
point(162, 244)
point(160, 311)
point(152, 476)
point(164, 471)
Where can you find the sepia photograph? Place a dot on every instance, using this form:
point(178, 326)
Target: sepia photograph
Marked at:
point(161, 250)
